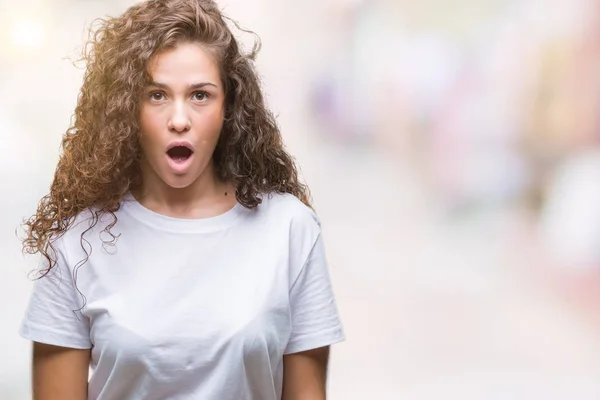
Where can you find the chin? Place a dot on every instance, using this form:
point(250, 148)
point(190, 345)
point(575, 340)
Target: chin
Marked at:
point(177, 181)
point(172, 180)
point(180, 183)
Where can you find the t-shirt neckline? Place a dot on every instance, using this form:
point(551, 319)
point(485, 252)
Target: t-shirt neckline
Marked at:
point(174, 224)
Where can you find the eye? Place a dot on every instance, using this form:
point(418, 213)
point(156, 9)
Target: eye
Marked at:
point(201, 96)
point(157, 96)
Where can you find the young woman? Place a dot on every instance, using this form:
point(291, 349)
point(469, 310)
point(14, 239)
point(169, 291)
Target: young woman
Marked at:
point(181, 258)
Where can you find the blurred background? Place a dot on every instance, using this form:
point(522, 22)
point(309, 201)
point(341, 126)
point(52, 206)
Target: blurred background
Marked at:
point(453, 151)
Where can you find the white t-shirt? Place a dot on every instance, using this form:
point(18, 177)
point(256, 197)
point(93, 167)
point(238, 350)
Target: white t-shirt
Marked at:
point(189, 308)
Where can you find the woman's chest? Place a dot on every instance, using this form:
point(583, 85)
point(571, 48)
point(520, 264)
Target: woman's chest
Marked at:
point(171, 304)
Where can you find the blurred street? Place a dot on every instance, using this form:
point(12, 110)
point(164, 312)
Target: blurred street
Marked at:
point(436, 309)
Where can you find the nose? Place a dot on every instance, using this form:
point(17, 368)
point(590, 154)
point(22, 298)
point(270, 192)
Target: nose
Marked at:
point(179, 121)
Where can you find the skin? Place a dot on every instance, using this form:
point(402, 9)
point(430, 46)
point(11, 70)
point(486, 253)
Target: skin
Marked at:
point(185, 102)
point(305, 375)
point(60, 372)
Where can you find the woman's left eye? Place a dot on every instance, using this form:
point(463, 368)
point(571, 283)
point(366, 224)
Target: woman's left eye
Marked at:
point(201, 96)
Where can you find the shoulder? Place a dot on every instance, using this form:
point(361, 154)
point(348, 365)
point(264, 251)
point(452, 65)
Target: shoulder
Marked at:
point(285, 219)
point(288, 209)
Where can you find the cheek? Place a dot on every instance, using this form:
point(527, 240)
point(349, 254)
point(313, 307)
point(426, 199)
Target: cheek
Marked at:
point(150, 128)
point(211, 124)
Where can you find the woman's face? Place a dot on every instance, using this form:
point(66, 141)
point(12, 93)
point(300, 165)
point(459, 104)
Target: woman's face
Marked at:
point(181, 116)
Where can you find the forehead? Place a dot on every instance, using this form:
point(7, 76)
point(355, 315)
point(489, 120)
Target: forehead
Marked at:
point(189, 62)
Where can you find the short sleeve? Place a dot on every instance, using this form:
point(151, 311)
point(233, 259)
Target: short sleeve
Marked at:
point(314, 313)
point(53, 313)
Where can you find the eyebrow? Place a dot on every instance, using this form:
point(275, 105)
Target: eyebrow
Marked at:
point(190, 87)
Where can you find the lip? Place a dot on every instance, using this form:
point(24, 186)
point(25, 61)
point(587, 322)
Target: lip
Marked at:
point(180, 168)
point(183, 143)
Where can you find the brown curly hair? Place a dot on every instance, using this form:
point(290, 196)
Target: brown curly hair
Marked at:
point(100, 157)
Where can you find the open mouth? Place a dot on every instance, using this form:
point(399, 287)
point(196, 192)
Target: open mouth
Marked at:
point(179, 153)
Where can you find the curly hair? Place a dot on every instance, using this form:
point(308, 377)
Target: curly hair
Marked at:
point(100, 152)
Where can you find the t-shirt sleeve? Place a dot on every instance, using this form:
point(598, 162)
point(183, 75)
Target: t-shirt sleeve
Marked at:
point(315, 318)
point(53, 313)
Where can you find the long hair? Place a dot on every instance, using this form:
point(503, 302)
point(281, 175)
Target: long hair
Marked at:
point(100, 152)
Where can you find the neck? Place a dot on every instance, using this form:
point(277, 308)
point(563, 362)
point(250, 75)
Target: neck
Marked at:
point(206, 197)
